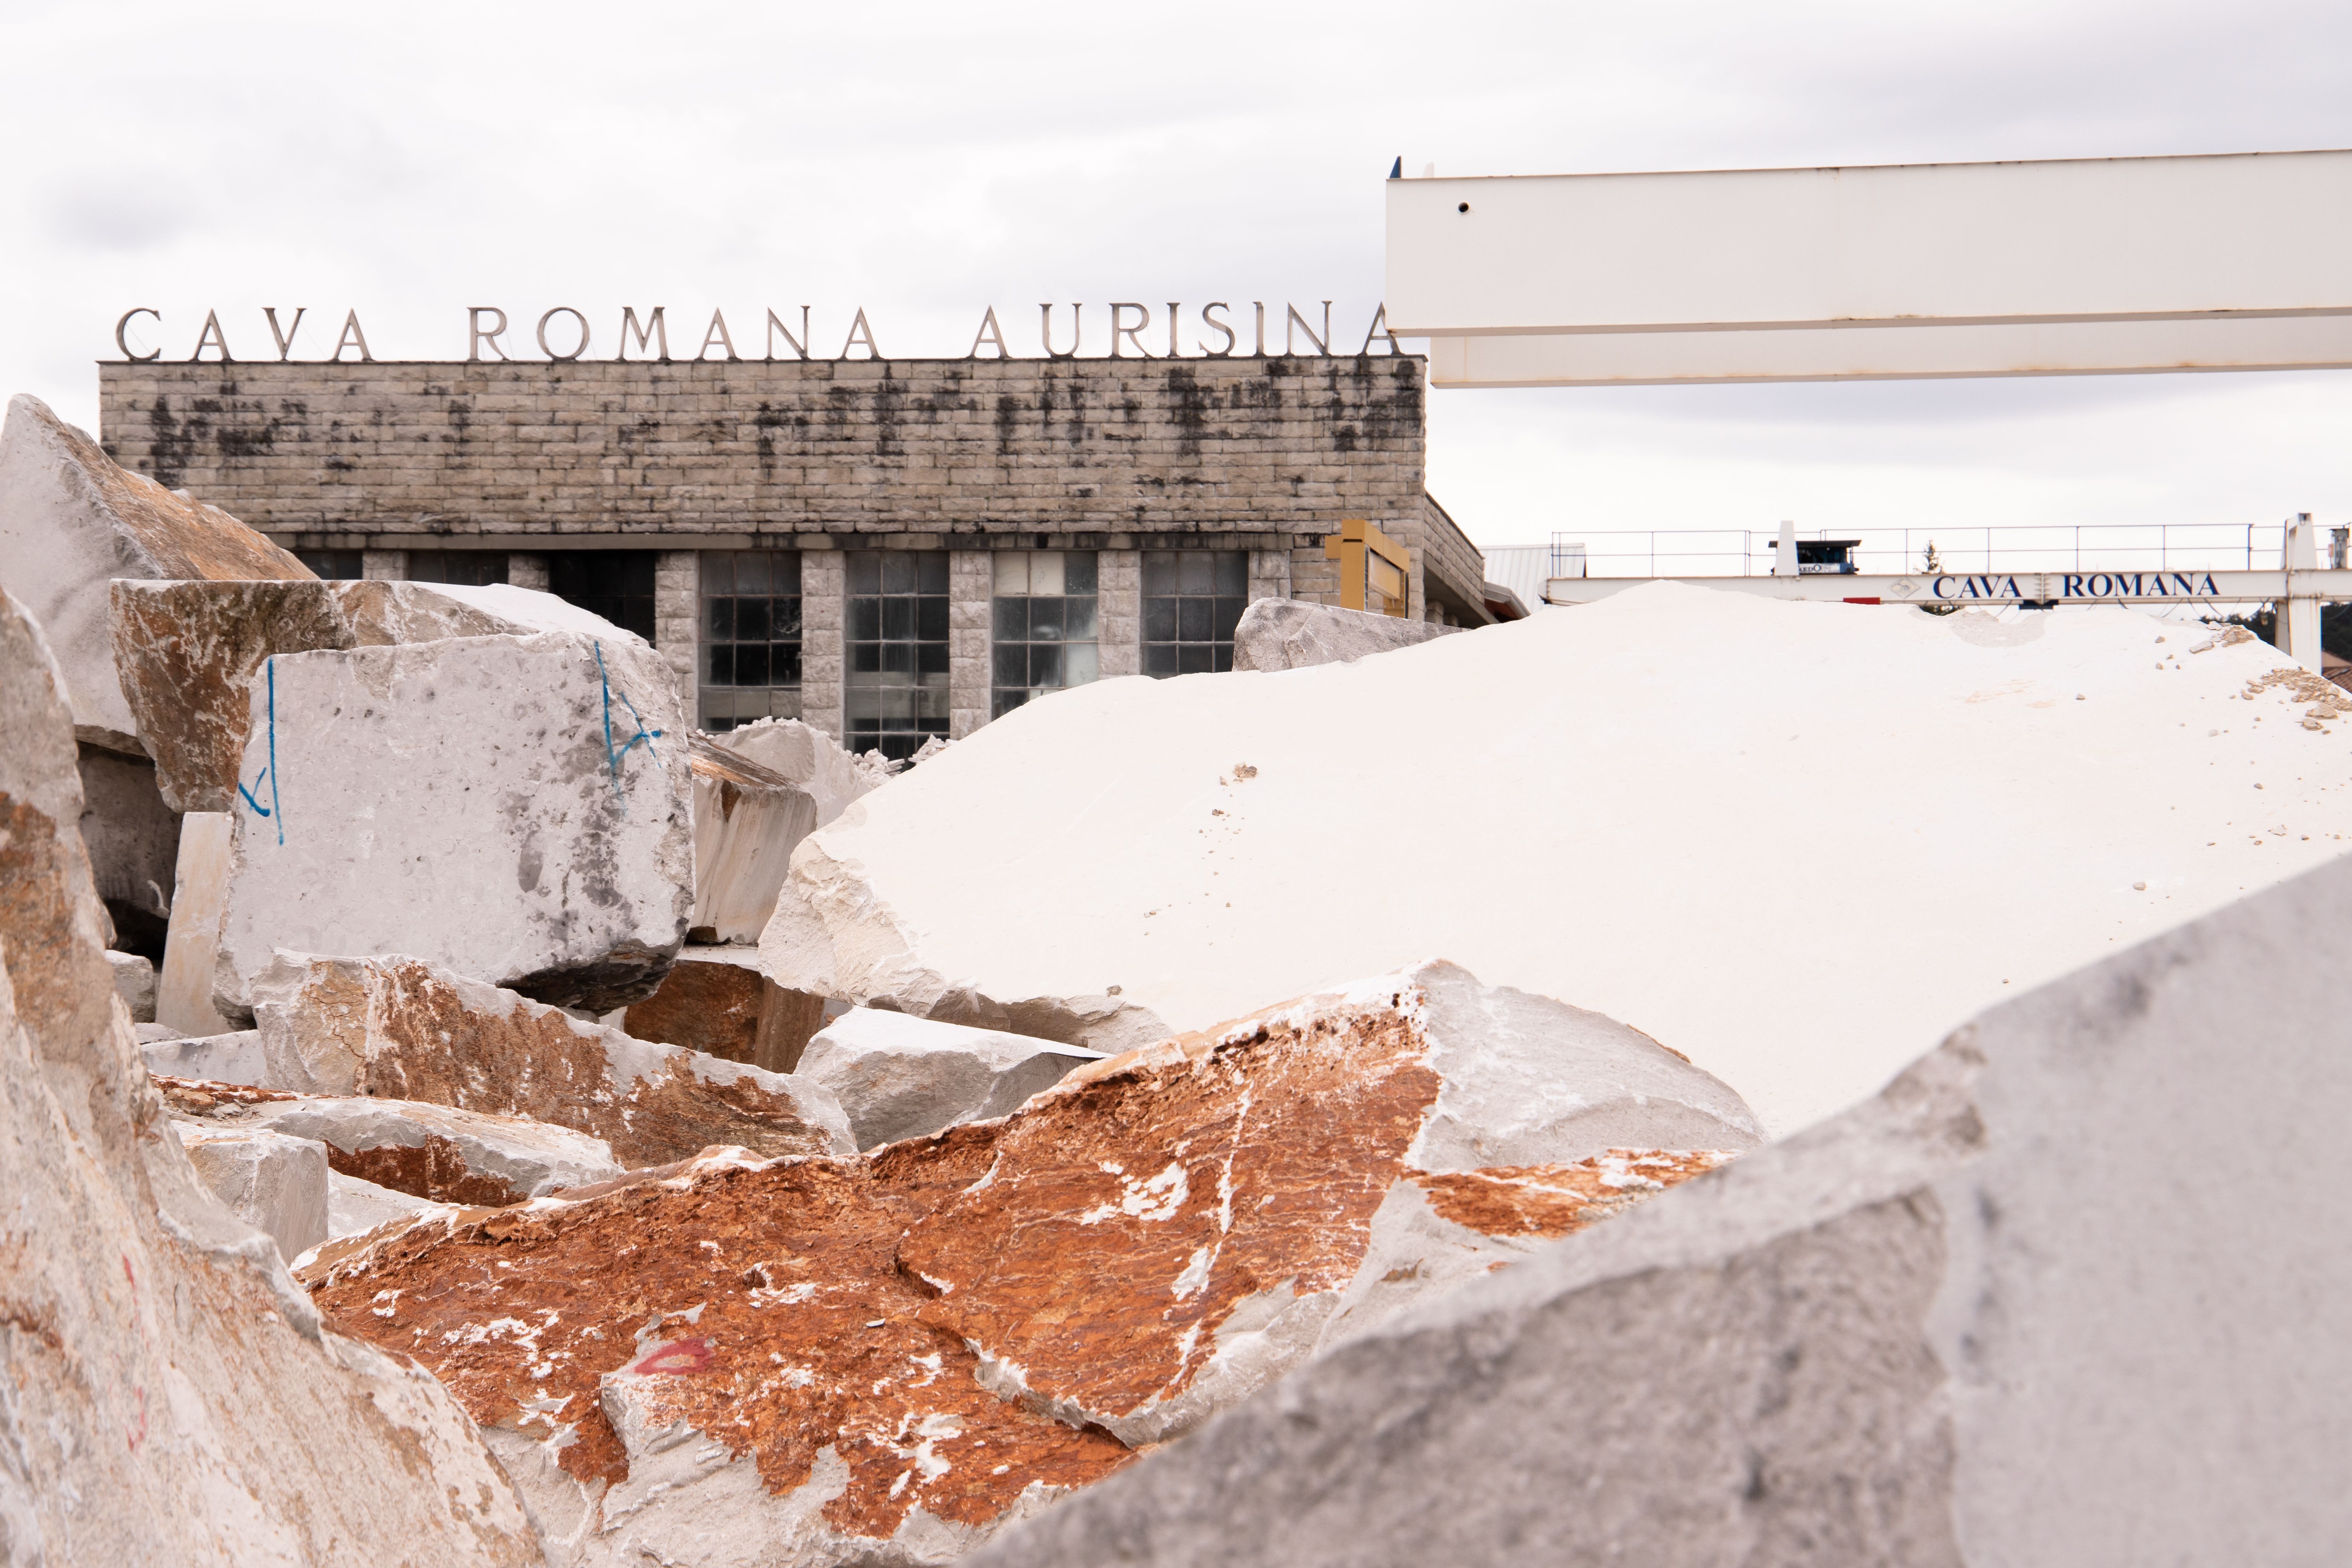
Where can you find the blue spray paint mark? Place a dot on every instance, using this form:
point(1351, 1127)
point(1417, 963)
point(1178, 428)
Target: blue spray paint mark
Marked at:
point(643, 736)
point(275, 809)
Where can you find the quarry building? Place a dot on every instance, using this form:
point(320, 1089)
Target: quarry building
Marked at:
point(888, 548)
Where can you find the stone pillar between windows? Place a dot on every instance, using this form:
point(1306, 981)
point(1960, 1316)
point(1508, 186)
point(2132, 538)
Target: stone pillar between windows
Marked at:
point(526, 571)
point(824, 580)
point(1269, 574)
point(1314, 576)
point(384, 565)
point(972, 584)
point(1119, 610)
point(678, 615)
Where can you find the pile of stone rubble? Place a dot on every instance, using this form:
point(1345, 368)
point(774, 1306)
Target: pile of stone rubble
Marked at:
point(497, 1166)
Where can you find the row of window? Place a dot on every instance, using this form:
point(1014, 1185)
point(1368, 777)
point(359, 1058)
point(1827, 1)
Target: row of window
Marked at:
point(1045, 625)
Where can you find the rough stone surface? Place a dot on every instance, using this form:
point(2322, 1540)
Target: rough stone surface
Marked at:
point(398, 1028)
point(187, 654)
point(355, 1207)
point(1291, 634)
point(170, 1395)
point(805, 1362)
point(271, 1180)
point(747, 821)
point(900, 1077)
point(2008, 1311)
point(234, 1057)
point(134, 982)
point(490, 803)
point(184, 989)
point(70, 519)
point(714, 1000)
point(809, 757)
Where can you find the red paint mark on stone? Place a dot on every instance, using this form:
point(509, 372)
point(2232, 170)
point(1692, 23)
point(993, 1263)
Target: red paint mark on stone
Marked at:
point(679, 1357)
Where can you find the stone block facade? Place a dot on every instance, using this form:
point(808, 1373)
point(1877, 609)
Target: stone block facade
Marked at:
point(537, 459)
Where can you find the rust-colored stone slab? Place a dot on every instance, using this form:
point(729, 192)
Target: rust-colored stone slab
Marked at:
point(808, 1359)
point(402, 1029)
point(715, 1001)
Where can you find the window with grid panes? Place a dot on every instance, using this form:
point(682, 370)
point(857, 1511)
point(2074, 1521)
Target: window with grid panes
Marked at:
point(1192, 599)
point(895, 689)
point(461, 568)
point(618, 584)
point(335, 565)
point(750, 637)
point(1042, 633)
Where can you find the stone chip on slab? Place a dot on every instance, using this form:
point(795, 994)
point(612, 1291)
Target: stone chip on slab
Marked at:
point(515, 808)
point(2003, 1312)
point(399, 1028)
point(887, 1357)
point(171, 1397)
point(900, 1077)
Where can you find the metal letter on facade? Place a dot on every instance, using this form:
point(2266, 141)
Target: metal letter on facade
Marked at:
point(1077, 331)
point(476, 337)
point(578, 350)
point(1209, 320)
point(989, 332)
point(716, 334)
point(286, 338)
point(859, 333)
point(654, 330)
point(1172, 350)
point(122, 325)
point(211, 335)
point(1378, 331)
point(1261, 327)
point(800, 344)
point(1297, 324)
point(353, 338)
point(1130, 333)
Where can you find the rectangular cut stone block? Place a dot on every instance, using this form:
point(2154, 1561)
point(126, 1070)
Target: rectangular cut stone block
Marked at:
point(809, 758)
point(134, 982)
point(747, 821)
point(270, 1180)
point(183, 991)
point(901, 1076)
point(70, 520)
point(514, 807)
point(401, 1029)
point(187, 654)
point(441, 1154)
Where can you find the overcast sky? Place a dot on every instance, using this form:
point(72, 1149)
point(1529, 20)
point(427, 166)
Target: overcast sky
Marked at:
point(412, 161)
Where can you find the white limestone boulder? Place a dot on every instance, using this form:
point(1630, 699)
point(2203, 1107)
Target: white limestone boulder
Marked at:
point(1968, 1321)
point(1292, 634)
point(171, 1397)
point(900, 1077)
point(516, 808)
point(232, 1057)
point(70, 519)
point(187, 654)
point(398, 1028)
point(134, 982)
point(747, 819)
point(355, 1207)
point(441, 1154)
point(271, 1180)
point(808, 757)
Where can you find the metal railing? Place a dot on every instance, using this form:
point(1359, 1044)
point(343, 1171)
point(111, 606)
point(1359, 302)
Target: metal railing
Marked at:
point(1892, 551)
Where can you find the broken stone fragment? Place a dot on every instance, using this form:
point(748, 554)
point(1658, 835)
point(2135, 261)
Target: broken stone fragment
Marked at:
point(134, 982)
point(187, 654)
point(898, 1077)
point(354, 1207)
point(1291, 634)
point(171, 1397)
point(271, 1180)
point(747, 821)
point(808, 757)
point(184, 989)
point(1965, 1322)
point(398, 1028)
point(515, 808)
point(232, 1057)
point(440, 1153)
point(714, 1000)
point(887, 1358)
point(70, 519)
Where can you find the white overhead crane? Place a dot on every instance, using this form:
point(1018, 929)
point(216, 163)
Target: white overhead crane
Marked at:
point(2072, 266)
